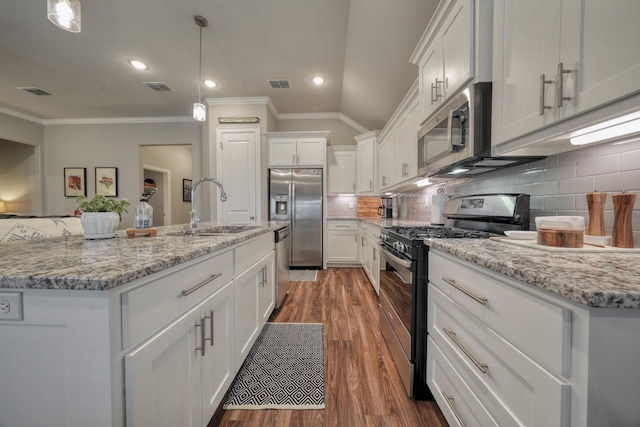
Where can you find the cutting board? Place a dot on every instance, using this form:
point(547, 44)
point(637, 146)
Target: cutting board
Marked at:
point(585, 249)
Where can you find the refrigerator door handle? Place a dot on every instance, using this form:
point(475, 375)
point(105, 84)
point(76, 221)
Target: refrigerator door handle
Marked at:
point(293, 208)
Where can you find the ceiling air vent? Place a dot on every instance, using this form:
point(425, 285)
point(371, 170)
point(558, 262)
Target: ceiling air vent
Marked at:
point(159, 86)
point(279, 84)
point(35, 91)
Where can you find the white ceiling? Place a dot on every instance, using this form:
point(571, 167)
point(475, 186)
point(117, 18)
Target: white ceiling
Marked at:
point(361, 47)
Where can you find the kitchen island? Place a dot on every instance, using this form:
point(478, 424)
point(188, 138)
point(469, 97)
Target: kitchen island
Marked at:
point(524, 336)
point(135, 332)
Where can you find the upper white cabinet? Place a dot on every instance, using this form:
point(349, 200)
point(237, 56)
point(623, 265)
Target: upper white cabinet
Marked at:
point(459, 32)
point(366, 169)
point(554, 60)
point(341, 169)
point(288, 149)
point(397, 144)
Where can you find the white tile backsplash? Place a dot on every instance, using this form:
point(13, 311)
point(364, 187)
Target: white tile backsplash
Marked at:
point(558, 184)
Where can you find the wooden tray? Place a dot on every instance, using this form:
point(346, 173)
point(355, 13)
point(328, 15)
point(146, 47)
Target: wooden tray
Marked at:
point(142, 232)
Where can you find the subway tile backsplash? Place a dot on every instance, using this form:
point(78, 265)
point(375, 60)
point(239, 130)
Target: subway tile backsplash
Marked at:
point(558, 184)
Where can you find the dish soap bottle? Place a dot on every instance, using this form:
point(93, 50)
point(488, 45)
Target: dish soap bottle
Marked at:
point(144, 214)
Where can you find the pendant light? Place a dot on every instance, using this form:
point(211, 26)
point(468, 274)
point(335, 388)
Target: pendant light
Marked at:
point(199, 109)
point(65, 14)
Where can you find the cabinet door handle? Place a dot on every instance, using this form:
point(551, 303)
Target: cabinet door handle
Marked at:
point(201, 348)
point(293, 159)
point(370, 184)
point(433, 88)
point(470, 294)
point(191, 290)
point(204, 338)
point(543, 83)
point(298, 159)
point(354, 186)
point(213, 340)
point(342, 226)
point(452, 405)
point(482, 367)
point(560, 86)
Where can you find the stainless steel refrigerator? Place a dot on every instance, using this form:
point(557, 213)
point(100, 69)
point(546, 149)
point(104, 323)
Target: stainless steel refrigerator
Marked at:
point(295, 195)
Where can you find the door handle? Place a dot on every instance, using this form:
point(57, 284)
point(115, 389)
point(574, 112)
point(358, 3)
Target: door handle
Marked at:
point(560, 86)
point(543, 83)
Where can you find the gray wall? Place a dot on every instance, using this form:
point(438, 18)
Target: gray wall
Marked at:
point(107, 145)
point(20, 130)
point(19, 176)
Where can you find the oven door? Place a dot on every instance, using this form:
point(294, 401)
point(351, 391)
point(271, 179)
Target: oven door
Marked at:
point(396, 289)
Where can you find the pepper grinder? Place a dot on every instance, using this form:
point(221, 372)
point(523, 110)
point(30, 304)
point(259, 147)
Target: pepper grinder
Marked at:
point(622, 235)
point(595, 202)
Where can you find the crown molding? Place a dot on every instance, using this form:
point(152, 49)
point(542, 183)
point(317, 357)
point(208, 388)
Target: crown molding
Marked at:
point(19, 115)
point(118, 120)
point(321, 116)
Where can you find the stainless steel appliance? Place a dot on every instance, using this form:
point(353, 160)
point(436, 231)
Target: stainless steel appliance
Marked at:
point(403, 281)
point(386, 207)
point(295, 195)
point(283, 247)
point(457, 141)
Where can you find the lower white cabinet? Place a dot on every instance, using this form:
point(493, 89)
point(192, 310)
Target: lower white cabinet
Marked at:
point(343, 242)
point(255, 300)
point(180, 374)
point(370, 253)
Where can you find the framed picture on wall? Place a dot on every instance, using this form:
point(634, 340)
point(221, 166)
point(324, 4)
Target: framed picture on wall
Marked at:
point(107, 182)
point(186, 190)
point(75, 182)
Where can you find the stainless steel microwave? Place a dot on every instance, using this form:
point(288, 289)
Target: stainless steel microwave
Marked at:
point(457, 140)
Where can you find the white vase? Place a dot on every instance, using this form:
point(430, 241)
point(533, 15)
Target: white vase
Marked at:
point(99, 225)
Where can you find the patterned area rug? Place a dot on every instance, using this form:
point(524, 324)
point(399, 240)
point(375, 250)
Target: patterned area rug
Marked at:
point(284, 370)
point(303, 275)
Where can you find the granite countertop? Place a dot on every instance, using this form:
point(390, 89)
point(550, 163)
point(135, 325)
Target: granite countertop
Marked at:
point(75, 263)
point(592, 279)
point(379, 221)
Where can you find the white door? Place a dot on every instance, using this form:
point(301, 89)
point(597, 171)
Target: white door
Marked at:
point(457, 47)
point(365, 166)
point(386, 158)
point(526, 44)
point(218, 369)
point(341, 166)
point(600, 44)
point(163, 377)
point(310, 151)
point(247, 325)
point(282, 152)
point(403, 145)
point(431, 90)
point(267, 289)
point(237, 166)
point(343, 246)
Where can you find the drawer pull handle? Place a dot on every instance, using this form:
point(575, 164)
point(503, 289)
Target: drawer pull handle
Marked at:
point(201, 284)
point(452, 405)
point(202, 338)
point(482, 367)
point(470, 294)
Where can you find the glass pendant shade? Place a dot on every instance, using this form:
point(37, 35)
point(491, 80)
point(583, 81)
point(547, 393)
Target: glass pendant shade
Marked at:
point(199, 112)
point(65, 14)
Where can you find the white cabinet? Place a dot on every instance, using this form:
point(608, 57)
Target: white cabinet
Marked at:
point(267, 289)
point(341, 169)
point(370, 253)
point(180, 375)
point(343, 242)
point(239, 163)
point(445, 53)
point(366, 179)
point(557, 59)
point(397, 147)
point(287, 149)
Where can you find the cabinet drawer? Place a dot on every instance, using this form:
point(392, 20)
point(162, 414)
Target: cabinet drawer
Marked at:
point(149, 307)
point(248, 254)
point(513, 388)
point(456, 400)
point(541, 329)
point(371, 230)
point(342, 225)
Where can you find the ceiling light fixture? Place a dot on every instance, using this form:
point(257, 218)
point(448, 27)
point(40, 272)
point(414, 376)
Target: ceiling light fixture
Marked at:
point(318, 80)
point(65, 14)
point(138, 65)
point(209, 83)
point(199, 109)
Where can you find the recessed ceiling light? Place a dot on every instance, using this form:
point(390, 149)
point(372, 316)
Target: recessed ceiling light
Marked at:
point(209, 83)
point(318, 80)
point(138, 64)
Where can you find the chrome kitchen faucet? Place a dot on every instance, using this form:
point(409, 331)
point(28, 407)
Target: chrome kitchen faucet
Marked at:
point(194, 217)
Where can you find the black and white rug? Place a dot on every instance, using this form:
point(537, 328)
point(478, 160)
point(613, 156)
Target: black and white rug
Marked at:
point(284, 370)
point(303, 275)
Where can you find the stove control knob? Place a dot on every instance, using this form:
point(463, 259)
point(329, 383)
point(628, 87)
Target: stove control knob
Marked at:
point(402, 248)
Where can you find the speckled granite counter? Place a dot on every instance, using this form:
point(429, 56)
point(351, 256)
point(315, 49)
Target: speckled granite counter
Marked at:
point(379, 221)
point(76, 263)
point(591, 279)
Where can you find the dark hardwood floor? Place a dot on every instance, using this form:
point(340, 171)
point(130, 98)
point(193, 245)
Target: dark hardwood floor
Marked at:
point(362, 386)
